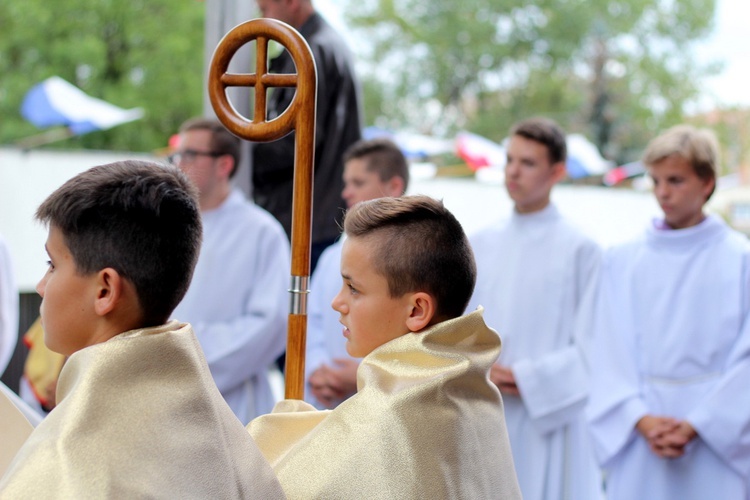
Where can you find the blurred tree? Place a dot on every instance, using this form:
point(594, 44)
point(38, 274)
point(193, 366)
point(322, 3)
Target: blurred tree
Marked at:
point(616, 70)
point(135, 53)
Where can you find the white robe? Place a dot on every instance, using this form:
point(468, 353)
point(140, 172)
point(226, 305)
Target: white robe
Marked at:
point(325, 340)
point(238, 301)
point(536, 278)
point(8, 307)
point(673, 339)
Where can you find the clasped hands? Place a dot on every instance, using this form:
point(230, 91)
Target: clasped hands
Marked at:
point(503, 378)
point(333, 384)
point(666, 436)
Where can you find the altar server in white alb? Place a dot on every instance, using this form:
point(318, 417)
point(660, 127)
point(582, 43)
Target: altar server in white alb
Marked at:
point(670, 406)
point(8, 307)
point(536, 278)
point(238, 299)
point(372, 169)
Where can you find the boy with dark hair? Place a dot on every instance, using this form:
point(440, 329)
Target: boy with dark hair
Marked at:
point(671, 357)
point(138, 414)
point(419, 424)
point(372, 169)
point(536, 278)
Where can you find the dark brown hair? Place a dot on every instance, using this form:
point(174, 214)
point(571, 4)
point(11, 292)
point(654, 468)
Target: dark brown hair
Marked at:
point(139, 218)
point(546, 132)
point(382, 156)
point(223, 142)
point(419, 247)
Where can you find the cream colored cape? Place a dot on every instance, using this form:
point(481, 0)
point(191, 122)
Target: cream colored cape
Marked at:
point(426, 422)
point(15, 428)
point(139, 416)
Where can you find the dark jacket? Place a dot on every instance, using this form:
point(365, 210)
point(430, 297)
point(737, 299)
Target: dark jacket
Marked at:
point(338, 125)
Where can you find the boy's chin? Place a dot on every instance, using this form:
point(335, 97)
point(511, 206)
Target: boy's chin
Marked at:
point(352, 350)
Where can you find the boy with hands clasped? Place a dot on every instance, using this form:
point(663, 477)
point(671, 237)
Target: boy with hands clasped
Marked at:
point(671, 356)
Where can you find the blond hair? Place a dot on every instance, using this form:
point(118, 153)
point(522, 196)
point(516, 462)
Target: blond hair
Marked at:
point(698, 146)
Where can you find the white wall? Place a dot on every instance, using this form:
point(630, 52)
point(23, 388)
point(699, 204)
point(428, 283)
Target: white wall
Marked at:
point(26, 179)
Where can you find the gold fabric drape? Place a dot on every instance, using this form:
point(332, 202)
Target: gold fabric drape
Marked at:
point(426, 422)
point(15, 428)
point(139, 416)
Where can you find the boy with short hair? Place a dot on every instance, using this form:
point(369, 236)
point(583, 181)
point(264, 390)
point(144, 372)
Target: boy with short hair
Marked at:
point(536, 277)
point(420, 422)
point(138, 414)
point(372, 169)
point(671, 356)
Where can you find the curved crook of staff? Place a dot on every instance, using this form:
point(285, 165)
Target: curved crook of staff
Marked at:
point(300, 117)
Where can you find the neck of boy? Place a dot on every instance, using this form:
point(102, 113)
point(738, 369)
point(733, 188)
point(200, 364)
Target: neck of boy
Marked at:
point(215, 198)
point(530, 208)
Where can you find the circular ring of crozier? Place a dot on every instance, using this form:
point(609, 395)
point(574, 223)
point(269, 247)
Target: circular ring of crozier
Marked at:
point(260, 30)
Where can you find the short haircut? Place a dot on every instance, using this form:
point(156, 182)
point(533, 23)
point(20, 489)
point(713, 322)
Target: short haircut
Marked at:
point(419, 247)
point(222, 140)
point(698, 146)
point(382, 156)
point(139, 218)
point(546, 132)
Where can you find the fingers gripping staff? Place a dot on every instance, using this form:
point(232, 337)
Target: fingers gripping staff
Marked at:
point(298, 117)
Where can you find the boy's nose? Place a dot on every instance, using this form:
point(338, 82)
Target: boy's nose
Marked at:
point(40, 286)
point(337, 303)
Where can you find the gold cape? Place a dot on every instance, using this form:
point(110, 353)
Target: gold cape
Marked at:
point(139, 416)
point(426, 422)
point(16, 428)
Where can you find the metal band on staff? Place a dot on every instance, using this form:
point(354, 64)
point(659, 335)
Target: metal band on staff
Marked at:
point(299, 291)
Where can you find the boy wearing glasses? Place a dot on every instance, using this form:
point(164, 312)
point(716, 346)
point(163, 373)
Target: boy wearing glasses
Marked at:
point(237, 301)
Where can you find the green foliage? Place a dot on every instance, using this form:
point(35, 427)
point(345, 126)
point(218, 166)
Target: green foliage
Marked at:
point(135, 53)
point(617, 70)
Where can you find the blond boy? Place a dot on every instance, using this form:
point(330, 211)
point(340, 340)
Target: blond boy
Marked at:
point(138, 414)
point(671, 357)
point(418, 426)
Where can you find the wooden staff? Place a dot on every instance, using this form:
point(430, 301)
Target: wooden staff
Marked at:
point(300, 117)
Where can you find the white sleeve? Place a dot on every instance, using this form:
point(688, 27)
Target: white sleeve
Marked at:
point(239, 348)
point(616, 403)
point(555, 386)
point(722, 420)
point(319, 307)
point(8, 307)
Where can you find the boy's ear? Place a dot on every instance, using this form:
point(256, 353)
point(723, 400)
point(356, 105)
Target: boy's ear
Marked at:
point(109, 291)
point(560, 171)
point(708, 188)
point(226, 164)
point(423, 309)
point(395, 186)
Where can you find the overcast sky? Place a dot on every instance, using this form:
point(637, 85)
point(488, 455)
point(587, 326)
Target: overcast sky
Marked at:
point(730, 42)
